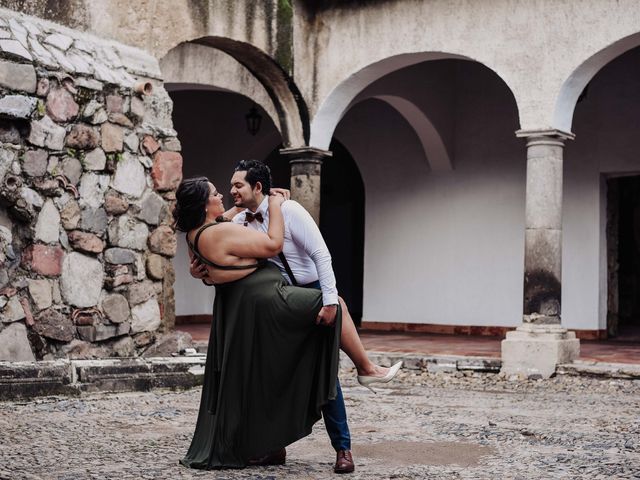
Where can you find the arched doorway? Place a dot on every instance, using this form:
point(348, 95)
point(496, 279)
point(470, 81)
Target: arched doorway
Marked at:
point(214, 134)
point(444, 181)
point(602, 205)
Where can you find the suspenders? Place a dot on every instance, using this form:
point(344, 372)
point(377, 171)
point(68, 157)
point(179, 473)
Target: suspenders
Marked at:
point(283, 259)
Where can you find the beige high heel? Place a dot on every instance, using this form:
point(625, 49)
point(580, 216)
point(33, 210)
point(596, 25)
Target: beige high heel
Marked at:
point(366, 380)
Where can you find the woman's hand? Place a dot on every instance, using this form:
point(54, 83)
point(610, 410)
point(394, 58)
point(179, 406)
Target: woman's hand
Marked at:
point(276, 198)
point(197, 269)
point(282, 191)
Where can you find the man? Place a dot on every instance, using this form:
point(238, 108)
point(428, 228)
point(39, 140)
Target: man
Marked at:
point(308, 261)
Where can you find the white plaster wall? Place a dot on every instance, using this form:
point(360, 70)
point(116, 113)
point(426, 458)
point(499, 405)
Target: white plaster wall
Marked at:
point(211, 127)
point(445, 248)
point(606, 125)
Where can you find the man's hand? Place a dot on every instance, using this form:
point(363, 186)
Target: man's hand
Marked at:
point(282, 191)
point(197, 269)
point(327, 315)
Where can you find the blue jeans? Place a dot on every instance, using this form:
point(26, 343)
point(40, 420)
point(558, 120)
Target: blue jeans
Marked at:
point(335, 413)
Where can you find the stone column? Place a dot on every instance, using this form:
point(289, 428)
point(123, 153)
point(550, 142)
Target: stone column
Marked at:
point(306, 164)
point(537, 346)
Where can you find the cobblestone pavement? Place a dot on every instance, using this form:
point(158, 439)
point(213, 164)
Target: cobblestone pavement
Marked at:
point(471, 426)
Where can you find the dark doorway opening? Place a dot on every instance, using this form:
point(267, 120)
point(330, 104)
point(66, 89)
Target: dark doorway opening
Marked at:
point(623, 239)
point(341, 219)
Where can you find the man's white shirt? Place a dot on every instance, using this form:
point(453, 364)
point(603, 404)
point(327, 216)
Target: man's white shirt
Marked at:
point(304, 248)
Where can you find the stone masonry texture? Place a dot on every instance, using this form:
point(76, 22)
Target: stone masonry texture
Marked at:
point(88, 209)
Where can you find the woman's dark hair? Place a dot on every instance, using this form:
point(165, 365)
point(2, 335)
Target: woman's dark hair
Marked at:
point(191, 201)
point(256, 172)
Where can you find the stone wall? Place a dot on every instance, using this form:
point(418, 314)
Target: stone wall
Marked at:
point(89, 164)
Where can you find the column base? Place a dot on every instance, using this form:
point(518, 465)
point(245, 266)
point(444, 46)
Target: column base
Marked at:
point(536, 350)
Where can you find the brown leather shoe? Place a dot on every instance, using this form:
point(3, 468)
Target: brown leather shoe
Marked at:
point(344, 462)
point(272, 458)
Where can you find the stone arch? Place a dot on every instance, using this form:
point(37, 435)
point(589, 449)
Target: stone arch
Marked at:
point(197, 67)
point(342, 97)
point(435, 150)
point(575, 84)
point(291, 110)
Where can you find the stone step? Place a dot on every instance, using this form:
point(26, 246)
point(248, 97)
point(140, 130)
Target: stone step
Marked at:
point(600, 369)
point(24, 380)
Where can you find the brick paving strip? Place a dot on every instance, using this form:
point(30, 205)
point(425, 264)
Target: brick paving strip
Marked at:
point(460, 424)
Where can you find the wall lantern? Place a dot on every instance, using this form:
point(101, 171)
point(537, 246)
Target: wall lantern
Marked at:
point(254, 119)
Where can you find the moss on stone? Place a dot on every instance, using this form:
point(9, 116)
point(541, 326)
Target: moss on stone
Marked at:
point(284, 36)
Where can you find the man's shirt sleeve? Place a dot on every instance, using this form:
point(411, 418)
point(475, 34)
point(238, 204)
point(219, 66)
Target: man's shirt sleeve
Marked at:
point(306, 234)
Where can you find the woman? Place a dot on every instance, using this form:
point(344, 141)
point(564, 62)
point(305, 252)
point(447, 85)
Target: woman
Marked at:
point(269, 367)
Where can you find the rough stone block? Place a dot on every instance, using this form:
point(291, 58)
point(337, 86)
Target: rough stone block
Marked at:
point(150, 144)
point(137, 108)
point(52, 324)
point(115, 204)
point(15, 48)
point(167, 170)
point(95, 160)
point(127, 232)
point(116, 308)
point(94, 220)
point(85, 242)
point(140, 292)
point(114, 104)
point(146, 316)
point(150, 208)
point(72, 169)
point(18, 76)
point(169, 343)
point(43, 259)
point(12, 311)
point(129, 177)
point(532, 353)
point(172, 144)
point(17, 106)
point(83, 137)
point(163, 241)
point(45, 133)
point(92, 189)
point(61, 106)
point(14, 344)
point(81, 280)
point(119, 256)
point(155, 266)
point(35, 162)
point(132, 143)
point(58, 40)
point(112, 137)
point(42, 87)
point(70, 215)
point(48, 224)
point(120, 119)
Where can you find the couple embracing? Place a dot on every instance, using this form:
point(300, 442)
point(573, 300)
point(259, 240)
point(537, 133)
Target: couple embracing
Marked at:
point(278, 325)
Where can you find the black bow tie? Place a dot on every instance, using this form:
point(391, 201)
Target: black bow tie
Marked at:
point(250, 217)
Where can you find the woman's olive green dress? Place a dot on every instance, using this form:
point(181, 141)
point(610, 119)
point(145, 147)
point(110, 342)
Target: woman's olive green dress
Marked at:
point(269, 370)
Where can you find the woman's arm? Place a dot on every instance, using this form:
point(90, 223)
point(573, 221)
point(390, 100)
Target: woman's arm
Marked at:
point(243, 242)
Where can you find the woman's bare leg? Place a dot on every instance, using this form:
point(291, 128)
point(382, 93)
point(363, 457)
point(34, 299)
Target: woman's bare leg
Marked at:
point(352, 346)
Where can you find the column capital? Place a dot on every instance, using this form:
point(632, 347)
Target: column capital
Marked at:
point(544, 135)
point(305, 154)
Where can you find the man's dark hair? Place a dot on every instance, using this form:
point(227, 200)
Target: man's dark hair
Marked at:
point(191, 200)
point(256, 172)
